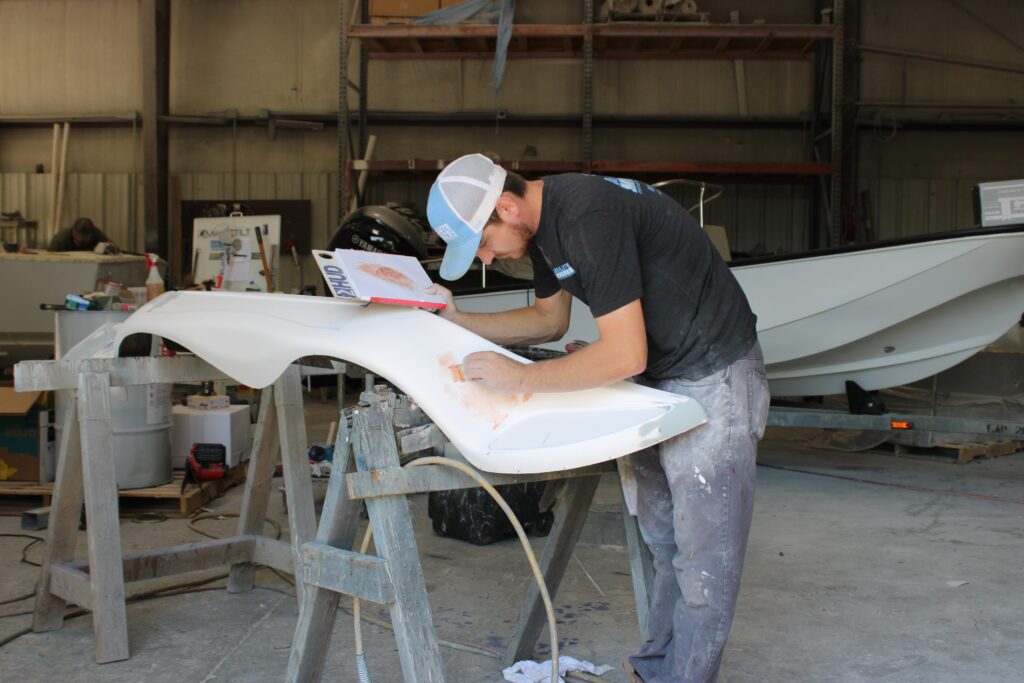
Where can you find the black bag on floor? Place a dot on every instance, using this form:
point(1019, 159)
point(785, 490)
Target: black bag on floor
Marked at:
point(472, 515)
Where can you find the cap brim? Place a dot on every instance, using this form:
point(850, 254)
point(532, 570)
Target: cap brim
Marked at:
point(458, 258)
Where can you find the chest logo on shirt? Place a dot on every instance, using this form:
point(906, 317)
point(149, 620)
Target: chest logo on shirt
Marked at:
point(564, 271)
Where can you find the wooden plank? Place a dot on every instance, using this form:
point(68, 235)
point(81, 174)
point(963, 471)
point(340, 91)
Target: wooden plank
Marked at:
point(106, 579)
point(70, 584)
point(187, 557)
point(375, 449)
point(337, 571)
point(166, 499)
point(263, 457)
point(641, 565)
point(49, 375)
point(968, 452)
point(180, 559)
point(291, 425)
point(416, 439)
point(396, 480)
point(65, 510)
point(318, 610)
point(275, 554)
point(570, 516)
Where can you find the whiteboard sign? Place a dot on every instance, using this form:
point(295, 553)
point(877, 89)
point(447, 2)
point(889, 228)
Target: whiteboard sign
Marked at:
point(226, 251)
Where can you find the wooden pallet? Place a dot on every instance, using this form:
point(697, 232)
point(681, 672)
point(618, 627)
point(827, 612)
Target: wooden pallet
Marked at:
point(17, 496)
point(964, 453)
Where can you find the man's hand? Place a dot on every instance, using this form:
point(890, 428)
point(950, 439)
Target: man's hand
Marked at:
point(449, 312)
point(495, 371)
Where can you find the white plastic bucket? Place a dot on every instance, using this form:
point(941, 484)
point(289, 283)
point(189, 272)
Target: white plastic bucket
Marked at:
point(140, 416)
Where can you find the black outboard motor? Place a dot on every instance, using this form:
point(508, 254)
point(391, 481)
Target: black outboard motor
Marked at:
point(392, 229)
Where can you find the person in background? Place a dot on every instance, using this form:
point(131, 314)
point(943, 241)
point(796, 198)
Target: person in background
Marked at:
point(83, 235)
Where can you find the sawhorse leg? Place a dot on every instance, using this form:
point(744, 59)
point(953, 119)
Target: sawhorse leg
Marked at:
point(65, 511)
point(570, 515)
point(258, 483)
point(641, 565)
point(291, 424)
point(375, 449)
point(318, 608)
point(398, 565)
point(86, 470)
point(106, 571)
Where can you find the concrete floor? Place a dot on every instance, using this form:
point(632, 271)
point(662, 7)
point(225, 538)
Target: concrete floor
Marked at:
point(844, 581)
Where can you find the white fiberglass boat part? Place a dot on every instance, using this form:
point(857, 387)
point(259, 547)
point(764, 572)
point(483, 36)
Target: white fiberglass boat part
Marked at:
point(883, 316)
point(254, 337)
point(880, 315)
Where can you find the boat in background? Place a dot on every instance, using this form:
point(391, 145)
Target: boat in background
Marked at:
point(885, 314)
point(881, 315)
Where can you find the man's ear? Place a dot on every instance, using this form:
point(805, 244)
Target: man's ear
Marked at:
point(506, 207)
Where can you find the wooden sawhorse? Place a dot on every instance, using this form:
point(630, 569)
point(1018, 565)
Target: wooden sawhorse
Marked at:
point(85, 471)
point(372, 472)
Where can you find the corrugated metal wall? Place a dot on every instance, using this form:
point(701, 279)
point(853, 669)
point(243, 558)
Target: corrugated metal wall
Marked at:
point(768, 217)
point(758, 217)
point(902, 207)
point(319, 188)
point(109, 199)
point(919, 182)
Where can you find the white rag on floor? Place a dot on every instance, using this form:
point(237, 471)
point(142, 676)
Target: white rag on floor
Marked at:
point(529, 671)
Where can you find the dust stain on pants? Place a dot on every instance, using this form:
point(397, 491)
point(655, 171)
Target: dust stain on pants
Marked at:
point(695, 500)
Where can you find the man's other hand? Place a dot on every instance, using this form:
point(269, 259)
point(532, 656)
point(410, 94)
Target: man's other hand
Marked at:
point(449, 312)
point(495, 371)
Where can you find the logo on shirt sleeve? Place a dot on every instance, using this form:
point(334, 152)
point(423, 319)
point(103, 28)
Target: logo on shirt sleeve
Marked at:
point(564, 271)
point(626, 184)
point(632, 185)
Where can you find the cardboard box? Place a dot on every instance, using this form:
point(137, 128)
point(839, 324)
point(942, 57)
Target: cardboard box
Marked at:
point(208, 402)
point(228, 426)
point(402, 8)
point(24, 434)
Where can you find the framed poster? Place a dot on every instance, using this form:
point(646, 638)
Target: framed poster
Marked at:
point(226, 250)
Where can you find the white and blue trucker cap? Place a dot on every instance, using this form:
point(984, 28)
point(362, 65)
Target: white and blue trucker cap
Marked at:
point(460, 202)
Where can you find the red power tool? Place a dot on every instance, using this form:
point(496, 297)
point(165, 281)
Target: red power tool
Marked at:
point(206, 462)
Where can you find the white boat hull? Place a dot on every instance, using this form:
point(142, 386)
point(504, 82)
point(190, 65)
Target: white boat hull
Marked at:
point(881, 317)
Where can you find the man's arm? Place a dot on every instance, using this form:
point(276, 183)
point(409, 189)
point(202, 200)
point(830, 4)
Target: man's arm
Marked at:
point(546, 320)
point(620, 352)
point(61, 241)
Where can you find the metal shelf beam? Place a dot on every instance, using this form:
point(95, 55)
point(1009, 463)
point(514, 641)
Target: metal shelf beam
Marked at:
point(618, 40)
point(645, 167)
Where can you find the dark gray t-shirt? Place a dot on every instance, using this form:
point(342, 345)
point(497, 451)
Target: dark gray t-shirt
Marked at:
point(610, 241)
point(64, 241)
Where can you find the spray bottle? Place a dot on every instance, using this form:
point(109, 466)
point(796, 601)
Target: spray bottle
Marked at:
point(154, 283)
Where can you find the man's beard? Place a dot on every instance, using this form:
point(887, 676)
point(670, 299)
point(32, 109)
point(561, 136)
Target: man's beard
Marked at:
point(523, 233)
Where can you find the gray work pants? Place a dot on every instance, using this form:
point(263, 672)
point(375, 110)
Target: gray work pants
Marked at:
point(695, 499)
